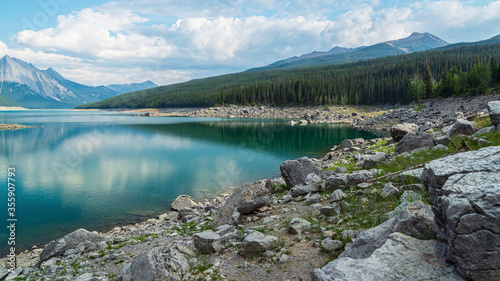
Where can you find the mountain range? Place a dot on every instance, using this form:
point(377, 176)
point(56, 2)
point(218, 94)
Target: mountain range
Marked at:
point(416, 42)
point(22, 84)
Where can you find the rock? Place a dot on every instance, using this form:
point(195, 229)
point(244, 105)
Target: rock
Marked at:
point(444, 140)
point(336, 182)
point(313, 199)
point(484, 131)
point(416, 220)
point(256, 243)
point(85, 240)
point(207, 242)
point(4, 271)
point(494, 110)
point(254, 205)
point(345, 144)
point(400, 130)
point(239, 196)
point(295, 171)
point(156, 264)
point(401, 257)
point(440, 147)
point(464, 192)
point(389, 191)
point(225, 229)
point(297, 225)
point(414, 141)
point(187, 214)
point(415, 174)
point(330, 210)
point(359, 177)
point(183, 202)
point(14, 275)
point(269, 185)
point(374, 160)
point(330, 245)
point(299, 190)
point(337, 195)
point(462, 127)
point(340, 170)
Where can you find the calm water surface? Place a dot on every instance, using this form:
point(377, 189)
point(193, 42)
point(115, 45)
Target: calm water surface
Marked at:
point(101, 169)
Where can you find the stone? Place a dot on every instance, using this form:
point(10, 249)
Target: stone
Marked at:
point(464, 192)
point(256, 243)
point(415, 219)
point(440, 147)
point(207, 242)
point(269, 185)
point(401, 257)
point(14, 274)
point(297, 225)
point(359, 177)
point(400, 130)
point(444, 140)
point(412, 175)
point(156, 264)
point(295, 171)
point(336, 182)
point(183, 202)
point(299, 190)
point(239, 196)
point(225, 229)
point(337, 195)
point(376, 159)
point(389, 191)
point(494, 110)
point(347, 143)
point(313, 199)
point(4, 271)
point(330, 245)
point(340, 170)
point(412, 141)
point(330, 210)
point(187, 214)
point(85, 240)
point(484, 131)
point(462, 127)
point(254, 205)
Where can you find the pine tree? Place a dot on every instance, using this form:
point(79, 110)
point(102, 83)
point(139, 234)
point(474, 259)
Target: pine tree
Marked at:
point(429, 87)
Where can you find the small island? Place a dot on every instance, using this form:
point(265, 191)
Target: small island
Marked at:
point(14, 126)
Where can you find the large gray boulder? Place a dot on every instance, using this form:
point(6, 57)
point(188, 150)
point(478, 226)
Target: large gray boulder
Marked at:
point(462, 127)
point(415, 219)
point(400, 130)
point(156, 264)
point(494, 110)
point(256, 243)
point(183, 202)
point(401, 257)
point(295, 171)
point(207, 242)
point(299, 190)
point(254, 205)
point(413, 141)
point(80, 240)
point(241, 195)
point(376, 159)
point(336, 182)
point(464, 190)
point(359, 177)
point(297, 225)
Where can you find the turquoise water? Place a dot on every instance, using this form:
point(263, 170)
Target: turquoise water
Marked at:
point(101, 169)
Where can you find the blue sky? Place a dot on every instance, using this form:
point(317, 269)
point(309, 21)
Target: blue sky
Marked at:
point(168, 41)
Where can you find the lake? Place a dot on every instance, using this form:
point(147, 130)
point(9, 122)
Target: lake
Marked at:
point(96, 170)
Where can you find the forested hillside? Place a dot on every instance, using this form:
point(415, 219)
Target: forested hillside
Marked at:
point(396, 79)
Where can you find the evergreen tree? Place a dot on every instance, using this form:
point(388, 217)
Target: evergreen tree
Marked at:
point(429, 87)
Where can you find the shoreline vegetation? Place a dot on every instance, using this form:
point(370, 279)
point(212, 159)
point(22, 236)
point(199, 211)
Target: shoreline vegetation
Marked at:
point(360, 184)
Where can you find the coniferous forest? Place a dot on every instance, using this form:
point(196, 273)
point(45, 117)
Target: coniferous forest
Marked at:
point(463, 70)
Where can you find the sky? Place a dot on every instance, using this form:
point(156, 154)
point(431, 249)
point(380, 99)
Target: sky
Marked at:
point(97, 42)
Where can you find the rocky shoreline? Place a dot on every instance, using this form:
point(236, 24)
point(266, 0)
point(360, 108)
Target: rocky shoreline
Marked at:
point(14, 126)
point(420, 205)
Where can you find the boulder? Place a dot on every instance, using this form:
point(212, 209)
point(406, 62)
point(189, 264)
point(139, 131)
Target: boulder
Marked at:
point(336, 182)
point(330, 245)
point(444, 140)
point(330, 210)
point(269, 185)
point(256, 243)
point(183, 202)
point(295, 171)
point(389, 191)
point(299, 190)
point(464, 192)
point(345, 144)
point(413, 141)
point(254, 205)
point(297, 225)
point(156, 264)
point(225, 229)
point(494, 110)
point(462, 127)
point(337, 195)
point(359, 177)
point(239, 196)
point(415, 219)
point(313, 199)
point(400, 130)
point(484, 131)
point(376, 159)
point(82, 239)
point(401, 257)
point(207, 242)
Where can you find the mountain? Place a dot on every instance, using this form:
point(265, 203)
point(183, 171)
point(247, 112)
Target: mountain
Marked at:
point(416, 42)
point(22, 84)
point(127, 88)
